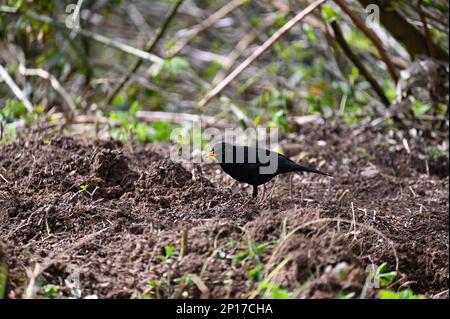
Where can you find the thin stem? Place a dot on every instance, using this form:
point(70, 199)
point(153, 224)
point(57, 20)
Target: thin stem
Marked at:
point(357, 62)
point(373, 37)
point(15, 89)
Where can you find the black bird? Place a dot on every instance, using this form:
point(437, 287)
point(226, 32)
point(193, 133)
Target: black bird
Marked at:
point(254, 166)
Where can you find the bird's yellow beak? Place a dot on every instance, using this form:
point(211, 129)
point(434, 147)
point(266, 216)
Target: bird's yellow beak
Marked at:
point(212, 154)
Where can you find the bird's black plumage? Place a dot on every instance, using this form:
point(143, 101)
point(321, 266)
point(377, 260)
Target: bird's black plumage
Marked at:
point(255, 166)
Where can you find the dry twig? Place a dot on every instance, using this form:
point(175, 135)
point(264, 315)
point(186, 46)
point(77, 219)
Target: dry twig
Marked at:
point(243, 44)
point(15, 89)
point(53, 82)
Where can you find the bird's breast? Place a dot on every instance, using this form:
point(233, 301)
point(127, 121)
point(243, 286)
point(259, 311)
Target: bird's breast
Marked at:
point(246, 173)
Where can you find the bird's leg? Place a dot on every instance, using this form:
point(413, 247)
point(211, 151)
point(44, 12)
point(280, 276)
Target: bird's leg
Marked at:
point(255, 191)
point(290, 186)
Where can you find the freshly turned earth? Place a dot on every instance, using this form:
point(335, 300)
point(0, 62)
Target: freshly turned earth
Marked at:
point(137, 202)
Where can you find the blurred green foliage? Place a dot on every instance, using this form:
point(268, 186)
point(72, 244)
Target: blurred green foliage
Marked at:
point(129, 128)
point(302, 73)
point(402, 294)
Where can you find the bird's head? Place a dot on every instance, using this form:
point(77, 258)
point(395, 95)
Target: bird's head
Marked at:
point(212, 154)
point(218, 151)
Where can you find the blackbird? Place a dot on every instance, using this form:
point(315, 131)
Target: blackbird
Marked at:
point(254, 166)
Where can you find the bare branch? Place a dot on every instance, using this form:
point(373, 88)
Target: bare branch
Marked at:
point(430, 44)
point(15, 89)
point(53, 82)
point(242, 45)
point(357, 62)
point(373, 37)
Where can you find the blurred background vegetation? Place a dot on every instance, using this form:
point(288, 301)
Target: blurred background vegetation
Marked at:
point(135, 69)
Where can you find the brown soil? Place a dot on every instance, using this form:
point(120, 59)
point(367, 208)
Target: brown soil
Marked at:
point(135, 203)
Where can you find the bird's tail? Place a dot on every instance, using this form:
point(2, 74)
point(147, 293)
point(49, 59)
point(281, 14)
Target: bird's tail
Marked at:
point(300, 168)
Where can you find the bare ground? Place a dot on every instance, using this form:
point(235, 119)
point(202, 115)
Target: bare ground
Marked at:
point(311, 236)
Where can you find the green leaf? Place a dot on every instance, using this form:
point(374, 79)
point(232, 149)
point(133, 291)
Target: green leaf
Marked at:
point(274, 290)
point(420, 108)
point(213, 68)
point(280, 20)
point(262, 248)
point(172, 67)
point(346, 295)
point(51, 291)
point(3, 276)
point(169, 251)
point(162, 131)
point(278, 293)
point(256, 21)
point(12, 110)
point(256, 273)
point(241, 256)
point(310, 33)
point(434, 152)
point(135, 107)
point(384, 276)
point(402, 294)
point(328, 13)
point(170, 44)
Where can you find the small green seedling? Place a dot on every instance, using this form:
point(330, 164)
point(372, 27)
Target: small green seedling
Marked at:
point(84, 188)
point(50, 291)
point(273, 290)
point(169, 252)
point(381, 275)
point(434, 152)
